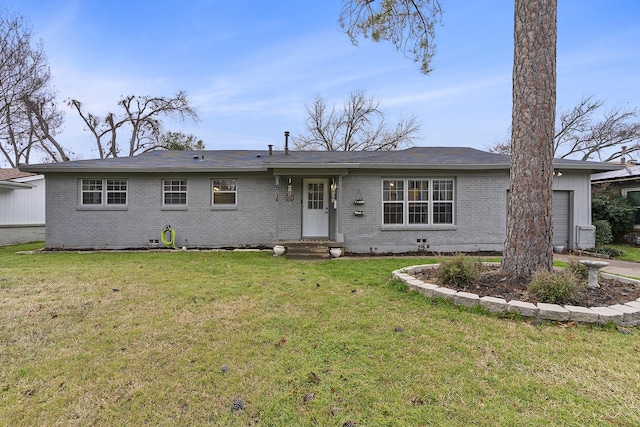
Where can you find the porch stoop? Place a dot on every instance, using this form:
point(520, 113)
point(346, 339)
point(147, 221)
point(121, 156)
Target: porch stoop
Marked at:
point(309, 249)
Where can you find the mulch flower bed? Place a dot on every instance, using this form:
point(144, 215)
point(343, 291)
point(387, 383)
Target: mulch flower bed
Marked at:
point(492, 282)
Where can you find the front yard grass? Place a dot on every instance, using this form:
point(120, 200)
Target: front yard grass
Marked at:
point(630, 252)
point(141, 339)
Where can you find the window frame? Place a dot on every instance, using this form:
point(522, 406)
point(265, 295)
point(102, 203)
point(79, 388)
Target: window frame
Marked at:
point(222, 192)
point(625, 192)
point(103, 193)
point(416, 201)
point(183, 182)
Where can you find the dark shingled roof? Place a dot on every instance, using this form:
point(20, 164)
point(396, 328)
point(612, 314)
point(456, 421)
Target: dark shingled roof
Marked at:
point(261, 160)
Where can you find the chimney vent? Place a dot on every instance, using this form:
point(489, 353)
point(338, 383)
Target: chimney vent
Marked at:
point(270, 149)
point(286, 142)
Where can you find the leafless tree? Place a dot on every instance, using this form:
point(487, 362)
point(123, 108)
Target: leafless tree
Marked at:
point(583, 134)
point(29, 118)
point(358, 125)
point(141, 119)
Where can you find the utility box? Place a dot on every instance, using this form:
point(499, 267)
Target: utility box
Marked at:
point(585, 237)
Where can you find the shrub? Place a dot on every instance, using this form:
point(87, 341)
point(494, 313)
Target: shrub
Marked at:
point(604, 236)
point(555, 288)
point(618, 211)
point(579, 270)
point(609, 251)
point(459, 271)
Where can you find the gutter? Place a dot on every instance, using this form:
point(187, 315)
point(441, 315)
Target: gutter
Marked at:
point(99, 170)
point(15, 185)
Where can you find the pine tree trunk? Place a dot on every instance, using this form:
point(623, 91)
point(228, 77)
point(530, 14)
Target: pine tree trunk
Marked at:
point(528, 245)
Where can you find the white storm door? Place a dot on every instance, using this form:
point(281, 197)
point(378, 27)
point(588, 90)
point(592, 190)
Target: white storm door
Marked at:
point(315, 210)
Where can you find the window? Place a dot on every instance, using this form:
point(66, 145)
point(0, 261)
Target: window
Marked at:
point(116, 191)
point(634, 196)
point(224, 192)
point(174, 192)
point(393, 201)
point(417, 201)
point(443, 201)
point(91, 191)
point(315, 195)
point(100, 192)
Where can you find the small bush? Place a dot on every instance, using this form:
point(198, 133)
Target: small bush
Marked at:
point(579, 270)
point(555, 288)
point(459, 271)
point(609, 251)
point(604, 235)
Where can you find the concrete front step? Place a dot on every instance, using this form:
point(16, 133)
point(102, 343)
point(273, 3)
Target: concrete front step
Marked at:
point(309, 249)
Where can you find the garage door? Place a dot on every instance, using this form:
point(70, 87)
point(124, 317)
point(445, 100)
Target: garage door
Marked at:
point(561, 221)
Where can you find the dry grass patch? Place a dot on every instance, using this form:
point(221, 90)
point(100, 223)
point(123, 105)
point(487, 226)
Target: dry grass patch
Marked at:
point(74, 351)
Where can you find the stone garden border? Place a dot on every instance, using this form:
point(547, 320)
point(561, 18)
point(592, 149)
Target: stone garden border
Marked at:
point(627, 314)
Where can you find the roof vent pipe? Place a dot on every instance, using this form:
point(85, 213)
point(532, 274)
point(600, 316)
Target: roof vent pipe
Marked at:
point(270, 149)
point(286, 142)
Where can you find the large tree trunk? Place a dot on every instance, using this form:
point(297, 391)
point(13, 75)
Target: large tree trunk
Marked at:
point(528, 245)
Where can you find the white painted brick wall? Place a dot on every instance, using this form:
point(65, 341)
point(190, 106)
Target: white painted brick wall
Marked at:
point(252, 223)
point(480, 204)
point(480, 215)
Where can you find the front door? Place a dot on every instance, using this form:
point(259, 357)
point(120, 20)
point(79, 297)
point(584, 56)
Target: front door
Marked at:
point(315, 211)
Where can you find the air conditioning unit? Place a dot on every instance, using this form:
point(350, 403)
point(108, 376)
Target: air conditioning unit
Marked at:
point(585, 237)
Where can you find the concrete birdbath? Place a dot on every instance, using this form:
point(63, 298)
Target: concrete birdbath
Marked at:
point(594, 267)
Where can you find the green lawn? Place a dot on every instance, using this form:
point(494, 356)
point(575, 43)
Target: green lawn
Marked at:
point(631, 252)
point(140, 339)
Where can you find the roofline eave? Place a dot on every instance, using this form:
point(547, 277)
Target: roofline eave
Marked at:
point(112, 170)
point(15, 185)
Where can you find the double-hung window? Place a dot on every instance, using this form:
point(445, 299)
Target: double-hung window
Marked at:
point(224, 192)
point(103, 192)
point(393, 201)
point(174, 192)
point(442, 201)
point(417, 201)
point(116, 191)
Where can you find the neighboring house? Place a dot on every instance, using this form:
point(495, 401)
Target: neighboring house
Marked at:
point(440, 199)
point(625, 180)
point(22, 207)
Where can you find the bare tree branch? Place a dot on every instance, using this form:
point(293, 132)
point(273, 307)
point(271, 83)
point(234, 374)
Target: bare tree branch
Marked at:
point(360, 125)
point(142, 116)
point(584, 133)
point(408, 24)
point(28, 116)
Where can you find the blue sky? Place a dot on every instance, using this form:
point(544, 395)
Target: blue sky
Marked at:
point(249, 67)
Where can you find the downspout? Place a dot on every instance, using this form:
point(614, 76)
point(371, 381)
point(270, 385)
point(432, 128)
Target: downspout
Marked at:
point(277, 209)
point(339, 233)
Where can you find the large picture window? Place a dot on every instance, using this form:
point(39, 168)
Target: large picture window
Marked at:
point(101, 192)
point(417, 201)
point(174, 192)
point(224, 192)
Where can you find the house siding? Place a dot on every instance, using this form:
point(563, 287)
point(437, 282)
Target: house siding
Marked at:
point(250, 223)
point(260, 220)
point(480, 215)
point(578, 185)
point(22, 212)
